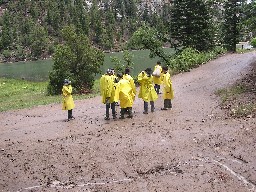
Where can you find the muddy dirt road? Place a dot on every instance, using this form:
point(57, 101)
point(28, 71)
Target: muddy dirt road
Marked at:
point(193, 147)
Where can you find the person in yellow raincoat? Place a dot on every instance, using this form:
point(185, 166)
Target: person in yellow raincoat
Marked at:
point(128, 77)
point(67, 99)
point(107, 92)
point(147, 91)
point(157, 73)
point(115, 79)
point(168, 93)
point(126, 96)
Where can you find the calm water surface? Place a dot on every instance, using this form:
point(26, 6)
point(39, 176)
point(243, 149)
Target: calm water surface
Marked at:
point(39, 70)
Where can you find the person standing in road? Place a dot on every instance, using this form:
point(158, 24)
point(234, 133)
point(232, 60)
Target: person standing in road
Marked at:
point(67, 99)
point(115, 79)
point(157, 77)
point(168, 93)
point(147, 91)
point(126, 96)
point(128, 77)
point(107, 91)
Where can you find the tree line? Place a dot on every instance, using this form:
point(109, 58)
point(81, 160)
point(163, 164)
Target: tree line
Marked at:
point(31, 29)
point(77, 32)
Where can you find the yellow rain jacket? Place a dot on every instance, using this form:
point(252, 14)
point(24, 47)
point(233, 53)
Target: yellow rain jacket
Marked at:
point(168, 92)
point(158, 80)
point(147, 91)
point(67, 99)
point(130, 79)
point(126, 94)
point(116, 96)
point(107, 89)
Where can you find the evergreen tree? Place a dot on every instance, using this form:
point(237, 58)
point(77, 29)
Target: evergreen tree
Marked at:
point(80, 16)
point(191, 24)
point(77, 60)
point(39, 41)
point(109, 34)
point(230, 25)
point(147, 38)
point(130, 8)
point(249, 20)
point(6, 33)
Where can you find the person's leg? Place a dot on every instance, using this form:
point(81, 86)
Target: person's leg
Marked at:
point(169, 103)
point(122, 113)
point(107, 109)
point(152, 104)
point(165, 105)
point(113, 108)
point(70, 116)
point(130, 112)
point(145, 107)
point(158, 89)
point(156, 86)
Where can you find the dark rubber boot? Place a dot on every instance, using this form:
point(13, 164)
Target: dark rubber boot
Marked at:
point(145, 108)
point(107, 111)
point(169, 103)
point(152, 104)
point(165, 105)
point(113, 108)
point(122, 113)
point(130, 112)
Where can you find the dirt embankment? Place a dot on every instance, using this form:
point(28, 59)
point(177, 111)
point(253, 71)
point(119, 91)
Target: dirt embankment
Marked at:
point(193, 147)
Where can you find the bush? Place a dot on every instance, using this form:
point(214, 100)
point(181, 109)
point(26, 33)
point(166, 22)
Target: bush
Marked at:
point(253, 42)
point(189, 58)
point(7, 54)
point(76, 60)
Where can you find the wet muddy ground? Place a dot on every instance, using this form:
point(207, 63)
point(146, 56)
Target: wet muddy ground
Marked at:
point(193, 147)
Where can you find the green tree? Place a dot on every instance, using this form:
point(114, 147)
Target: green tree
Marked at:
point(96, 25)
point(80, 16)
point(147, 38)
point(77, 60)
point(248, 20)
point(130, 8)
point(39, 41)
point(53, 17)
point(118, 64)
point(6, 33)
point(191, 24)
point(230, 25)
point(109, 32)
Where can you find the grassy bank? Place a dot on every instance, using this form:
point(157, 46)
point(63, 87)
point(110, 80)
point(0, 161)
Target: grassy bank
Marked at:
point(239, 100)
point(18, 94)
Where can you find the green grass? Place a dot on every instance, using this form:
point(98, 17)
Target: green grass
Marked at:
point(229, 94)
point(19, 94)
point(243, 110)
point(234, 100)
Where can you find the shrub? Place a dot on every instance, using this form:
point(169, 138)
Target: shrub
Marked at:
point(76, 60)
point(253, 42)
point(189, 58)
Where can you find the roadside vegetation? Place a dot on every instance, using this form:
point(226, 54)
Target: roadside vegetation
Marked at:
point(19, 94)
point(76, 35)
point(239, 100)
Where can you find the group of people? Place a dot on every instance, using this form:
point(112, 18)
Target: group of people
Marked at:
point(119, 89)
